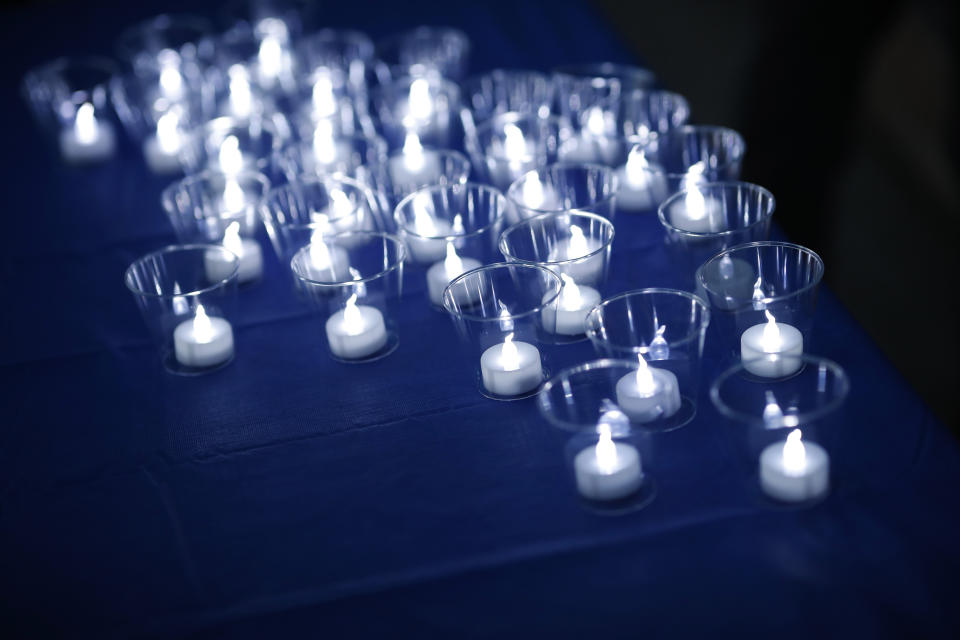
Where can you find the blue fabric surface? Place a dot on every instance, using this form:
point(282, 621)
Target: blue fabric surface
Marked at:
point(289, 495)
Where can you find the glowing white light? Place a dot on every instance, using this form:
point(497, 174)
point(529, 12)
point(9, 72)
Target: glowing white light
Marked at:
point(457, 226)
point(230, 158)
point(726, 268)
point(533, 193)
point(420, 103)
point(770, 341)
point(596, 124)
point(324, 148)
point(168, 132)
point(695, 204)
point(794, 454)
point(85, 126)
point(341, 204)
point(319, 252)
point(241, 98)
point(232, 240)
point(452, 264)
point(509, 354)
point(324, 102)
point(570, 298)
point(360, 289)
point(646, 385)
point(659, 347)
point(606, 450)
point(202, 327)
point(577, 246)
point(772, 413)
point(413, 158)
point(424, 224)
point(637, 168)
point(180, 304)
point(171, 83)
point(758, 294)
point(514, 146)
point(234, 199)
point(270, 56)
point(506, 322)
point(353, 324)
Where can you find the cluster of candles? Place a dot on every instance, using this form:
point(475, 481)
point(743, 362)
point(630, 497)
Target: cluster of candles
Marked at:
point(258, 90)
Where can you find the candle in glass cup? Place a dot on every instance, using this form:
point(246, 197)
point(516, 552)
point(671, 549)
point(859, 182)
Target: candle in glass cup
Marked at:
point(511, 368)
point(247, 250)
point(162, 149)
point(445, 271)
point(609, 470)
point(792, 471)
point(574, 247)
point(568, 316)
point(203, 341)
point(649, 394)
point(771, 349)
point(88, 140)
point(415, 165)
point(643, 185)
point(356, 331)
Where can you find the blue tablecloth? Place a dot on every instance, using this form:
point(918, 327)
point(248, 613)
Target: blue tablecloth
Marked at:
point(289, 495)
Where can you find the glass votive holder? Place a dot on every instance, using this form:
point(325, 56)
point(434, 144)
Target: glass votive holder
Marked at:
point(663, 331)
point(763, 295)
point(604, 452)
point(500, 91)
point(180, 44)
point(265, 51)
point(231, 145)
point(684, 156)
point(574, 245)
point(353, 279)
point(415, 167)
point(340, 57)
point(426, 106)
point(439, 51)
point(214, 207)
point(578, 86)
point(704, 219)
point(788, 434)
point(186, 311)
point(565, 187)
point(314, 207)
point(509, 145)
point(502, 312)
point(70, 98)
point(450, 229)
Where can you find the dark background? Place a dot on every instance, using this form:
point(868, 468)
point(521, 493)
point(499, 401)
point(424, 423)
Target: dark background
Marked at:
point(848, 111)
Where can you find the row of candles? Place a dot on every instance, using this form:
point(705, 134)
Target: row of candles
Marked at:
point(362, 205)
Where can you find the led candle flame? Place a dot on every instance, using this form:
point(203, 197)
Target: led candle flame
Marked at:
point(509, 355)
point(636, 168)
point(270, 56)
point(794, 454)
point(324, 103)
point(458, 228)
point(85, 126)
point(324, 148)
point(533, 193)
point(340, 204)
point(171, 82)
point(202, 327)
point(353, 324)
point(771, 342)
point(606, 451)
point(180, 304)
point(646, 385)
point(570, 298)
point(234, 199)
point(229, 156)
point(319, 251)
point(231, 238)
point(168, 133)
point(596, 124)
point(420, 102)
point(514, 146)
point(506, 322)
point(413, 158)
point(772, 413)
point(241, 99)
point(578, 246)
point(424, 224)
point(452, 263)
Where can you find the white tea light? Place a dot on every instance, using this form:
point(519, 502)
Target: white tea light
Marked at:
point(511, 368)
point(415, 166)
point(162, 149)
point(88, 140)
point(356, 331)
point(792, 471)
point(771, 349)
point(248, 251)
point(444, 272)
point(698, 213)
point(649, 394)
point(608, 471)
point(203, 341)
point(568, 316)
point(643, 185)
point(427, 241)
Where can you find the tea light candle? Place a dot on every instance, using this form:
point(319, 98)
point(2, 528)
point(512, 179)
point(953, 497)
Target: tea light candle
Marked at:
point(577, 246)
point(511, 368)
point(649, 394)
point(536, 195)
point(698, 213)
point(771, 349)
point(792, 471)
point(329, 153)
point(415, 166)
point(426, 241)
point(444, 272)
point(356, 331)
point(203, 341)
point(250, 265)
point(507, 162)
point(327, 263)
point(642, 185)
point(608, 471)
point(89, 140)
point(568, 316)
point(162, 149)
